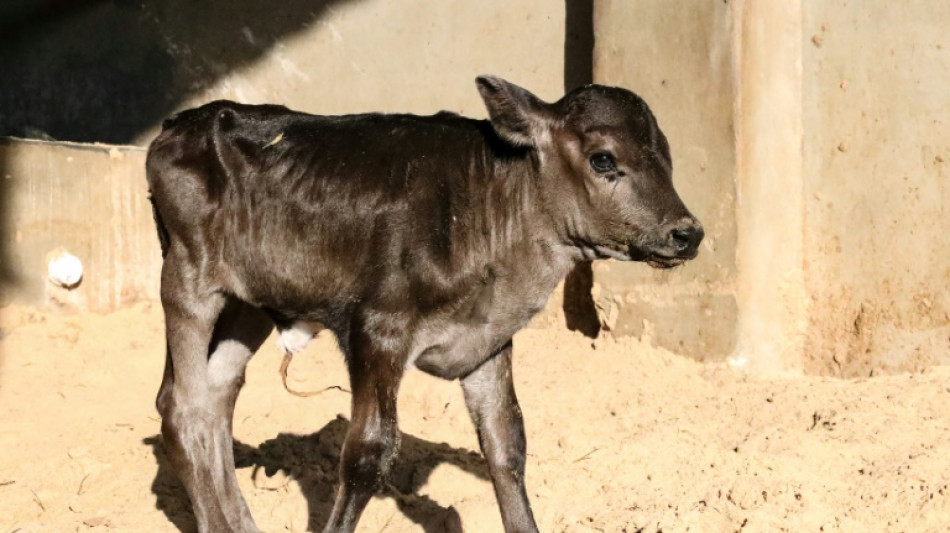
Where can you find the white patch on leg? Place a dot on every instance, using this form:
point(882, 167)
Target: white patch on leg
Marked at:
point(227, 363)
point(295, 338)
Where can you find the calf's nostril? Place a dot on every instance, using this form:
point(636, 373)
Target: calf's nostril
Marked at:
point(683, 238)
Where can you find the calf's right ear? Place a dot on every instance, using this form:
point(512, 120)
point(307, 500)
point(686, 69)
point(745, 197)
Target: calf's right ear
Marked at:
point(518, 116)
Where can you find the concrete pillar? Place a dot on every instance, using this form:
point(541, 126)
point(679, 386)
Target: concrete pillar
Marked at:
point(770, 213)
point(679, 57)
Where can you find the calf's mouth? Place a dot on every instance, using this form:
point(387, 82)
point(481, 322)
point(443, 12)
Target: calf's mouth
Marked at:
point(665, 263)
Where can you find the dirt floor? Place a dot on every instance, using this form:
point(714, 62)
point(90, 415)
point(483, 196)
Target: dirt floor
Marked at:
point(621, 437)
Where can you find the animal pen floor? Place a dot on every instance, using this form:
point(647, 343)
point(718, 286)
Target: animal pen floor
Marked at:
point(621, 437)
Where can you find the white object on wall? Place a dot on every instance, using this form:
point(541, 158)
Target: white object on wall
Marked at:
point(65, 269)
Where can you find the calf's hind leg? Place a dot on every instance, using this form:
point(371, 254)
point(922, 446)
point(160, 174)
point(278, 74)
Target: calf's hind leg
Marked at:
point(197, 396)
point(373, 436)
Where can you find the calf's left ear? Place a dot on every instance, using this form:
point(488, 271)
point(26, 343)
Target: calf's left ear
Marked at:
point(517, 115)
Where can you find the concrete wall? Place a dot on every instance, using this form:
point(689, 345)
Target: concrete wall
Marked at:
point(109, 71)
point(385, 56)
point(89, 200)
point(876, 149)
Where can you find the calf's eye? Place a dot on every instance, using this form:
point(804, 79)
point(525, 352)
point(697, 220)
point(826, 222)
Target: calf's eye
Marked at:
point(603, 163)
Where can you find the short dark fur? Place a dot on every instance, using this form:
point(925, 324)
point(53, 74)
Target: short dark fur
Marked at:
point(425, 241)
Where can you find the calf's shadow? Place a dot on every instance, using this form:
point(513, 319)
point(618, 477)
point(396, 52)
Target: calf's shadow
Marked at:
point(311, 461)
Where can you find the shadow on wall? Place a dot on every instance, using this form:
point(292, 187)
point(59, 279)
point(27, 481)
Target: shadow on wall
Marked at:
point(106, 70)
point(579, 310)
point(311, 462)
point(7, 277)
point(7, 272)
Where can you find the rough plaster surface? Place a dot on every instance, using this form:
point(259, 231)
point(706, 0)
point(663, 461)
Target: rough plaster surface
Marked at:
point(877, 185)
point(679, 58)
point(383, 56)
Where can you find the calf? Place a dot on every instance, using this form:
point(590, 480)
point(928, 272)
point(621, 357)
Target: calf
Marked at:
point(418, 241)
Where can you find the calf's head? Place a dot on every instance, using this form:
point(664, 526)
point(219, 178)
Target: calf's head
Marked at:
point(604, 170)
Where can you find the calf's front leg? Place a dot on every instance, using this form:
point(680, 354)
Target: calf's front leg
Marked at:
point(490, 397)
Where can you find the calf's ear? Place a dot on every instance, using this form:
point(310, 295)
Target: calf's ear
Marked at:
point(517, 115)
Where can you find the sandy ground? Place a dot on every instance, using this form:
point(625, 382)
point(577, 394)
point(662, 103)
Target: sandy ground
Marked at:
point(621, 437)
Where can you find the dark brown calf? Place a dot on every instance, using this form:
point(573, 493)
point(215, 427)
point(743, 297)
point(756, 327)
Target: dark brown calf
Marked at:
point(425, 241)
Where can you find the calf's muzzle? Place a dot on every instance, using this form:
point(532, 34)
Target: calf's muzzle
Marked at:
point(685, 236)
point(677, 242)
